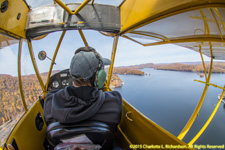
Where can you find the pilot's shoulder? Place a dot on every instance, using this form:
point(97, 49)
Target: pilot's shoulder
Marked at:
point(113, 95)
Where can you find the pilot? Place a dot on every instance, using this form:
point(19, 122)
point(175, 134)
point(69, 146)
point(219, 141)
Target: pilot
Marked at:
point(85, 100)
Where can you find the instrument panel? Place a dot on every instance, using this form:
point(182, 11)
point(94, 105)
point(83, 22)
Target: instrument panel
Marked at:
point(60, 80)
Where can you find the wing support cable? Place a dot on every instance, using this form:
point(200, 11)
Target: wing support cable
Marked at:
point(53, 59)
point(59, 2)
point(19, 75)
point(197, 109)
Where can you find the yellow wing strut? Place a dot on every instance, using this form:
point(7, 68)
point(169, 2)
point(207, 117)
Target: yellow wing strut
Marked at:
point(70, 11)
point(197, 109)
point(53, 59)
point(35, 66)
point(83, 37)
point(203, 62)
point(116, 38)
point(208, 121)
point(19, 75)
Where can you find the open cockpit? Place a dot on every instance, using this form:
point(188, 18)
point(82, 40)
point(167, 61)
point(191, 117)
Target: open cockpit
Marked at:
point(193, 24)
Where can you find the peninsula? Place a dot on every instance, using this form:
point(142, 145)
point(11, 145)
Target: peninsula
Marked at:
point(128, 71)
point(116, 81)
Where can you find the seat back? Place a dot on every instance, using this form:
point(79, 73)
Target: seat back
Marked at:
point(97, 132)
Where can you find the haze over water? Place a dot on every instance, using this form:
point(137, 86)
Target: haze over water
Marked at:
point(169, 99)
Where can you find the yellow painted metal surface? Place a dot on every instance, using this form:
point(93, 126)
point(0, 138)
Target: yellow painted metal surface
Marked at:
point(25, 132)
point(70, 11)
point(217, 86)
point(198, 107)
point(187, 40)
point(208, 121)
point(83, 38)
point(143, 133)
point(136, 13)
point(9, 21)
point(115, 43)
point(151, 23)
point(53, 60)
point(203, 62)
point(19, 76)
point(35, 66)
point(135, 130)
point(6, 41)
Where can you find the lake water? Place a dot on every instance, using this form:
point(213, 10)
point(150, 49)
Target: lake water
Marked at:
point(169, 99)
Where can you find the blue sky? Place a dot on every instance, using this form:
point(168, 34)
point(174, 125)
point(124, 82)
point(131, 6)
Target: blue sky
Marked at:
point(128, 52)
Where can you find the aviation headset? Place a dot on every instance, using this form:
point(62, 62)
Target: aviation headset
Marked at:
point(99, 77)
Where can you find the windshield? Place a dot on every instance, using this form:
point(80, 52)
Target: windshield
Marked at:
point(70, 43)
point(11, 108)
point(10, 99)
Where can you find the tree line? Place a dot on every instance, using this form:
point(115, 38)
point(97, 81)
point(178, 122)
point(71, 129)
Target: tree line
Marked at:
point(218, 67)
point(127, 71)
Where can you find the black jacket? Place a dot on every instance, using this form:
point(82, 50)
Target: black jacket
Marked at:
point(75, 104)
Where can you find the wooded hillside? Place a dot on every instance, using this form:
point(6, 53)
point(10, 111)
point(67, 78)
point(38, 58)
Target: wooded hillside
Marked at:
point(127, 71)
point(218, 67)
point(10, 100)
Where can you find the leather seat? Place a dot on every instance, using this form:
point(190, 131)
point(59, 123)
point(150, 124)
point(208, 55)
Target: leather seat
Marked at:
point(98, 132)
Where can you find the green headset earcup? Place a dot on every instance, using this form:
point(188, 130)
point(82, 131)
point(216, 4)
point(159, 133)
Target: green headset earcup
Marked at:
point(100, 79)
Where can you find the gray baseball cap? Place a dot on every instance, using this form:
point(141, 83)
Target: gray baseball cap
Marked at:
point(85, 63)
